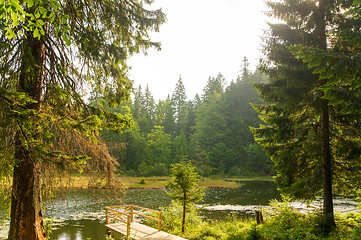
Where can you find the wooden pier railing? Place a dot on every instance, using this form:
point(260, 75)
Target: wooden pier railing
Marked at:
point(125, 214)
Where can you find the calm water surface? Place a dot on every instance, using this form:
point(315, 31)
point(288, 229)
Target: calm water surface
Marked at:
point(78, 214)
point(81, 215)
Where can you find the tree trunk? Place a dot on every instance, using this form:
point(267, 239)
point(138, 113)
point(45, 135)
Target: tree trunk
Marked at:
point(329, 219)
point(26, 208)
point(184, 212)
point(26, 204)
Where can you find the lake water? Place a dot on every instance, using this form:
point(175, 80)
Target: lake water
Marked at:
point(78, 214)
point(81, 215)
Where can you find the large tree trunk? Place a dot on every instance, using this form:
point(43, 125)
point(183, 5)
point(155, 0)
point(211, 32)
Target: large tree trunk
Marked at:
point(26, 205)
point(329, 219)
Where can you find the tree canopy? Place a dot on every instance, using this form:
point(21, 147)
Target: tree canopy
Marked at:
point(214, 131)
point(305, 133)
point(52, 54)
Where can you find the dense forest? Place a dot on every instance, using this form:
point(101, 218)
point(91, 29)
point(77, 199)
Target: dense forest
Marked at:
point(212, 130)
point(53, 53)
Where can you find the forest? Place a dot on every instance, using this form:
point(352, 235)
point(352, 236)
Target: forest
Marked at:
point(297, 117)
point(212, 130)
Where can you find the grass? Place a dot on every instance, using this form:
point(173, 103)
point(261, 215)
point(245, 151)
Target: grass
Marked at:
point(151, 182)
point(281, 222)
point(80, 181)
point(161, 182)
point(217, 182)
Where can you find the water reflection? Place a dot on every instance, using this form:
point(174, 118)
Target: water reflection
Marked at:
point(79, 214)
point(218, 203)
point(249, 193)
point(78, 230)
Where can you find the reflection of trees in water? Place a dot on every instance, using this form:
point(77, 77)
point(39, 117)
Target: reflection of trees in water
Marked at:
point(79, 229)
point(79, 202)
point(249, 193)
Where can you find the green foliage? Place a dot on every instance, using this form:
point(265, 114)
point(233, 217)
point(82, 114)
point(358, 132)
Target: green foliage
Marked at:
point(5, 200)
point(213, 132)
point(310, 121)
point(172, 218)
point(184, 186)
point(13, 14)
point(281, 223)
point(158, 145)
point(142, 181)
point(48, 227)
point(45, 121)
point(157, 169)
point(233, 171)
point(178, 103)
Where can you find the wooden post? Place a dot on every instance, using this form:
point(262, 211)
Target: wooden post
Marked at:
point(131, 213)
point(128, 225)
point(259, 217)
point(106, 215)
point(160, 222)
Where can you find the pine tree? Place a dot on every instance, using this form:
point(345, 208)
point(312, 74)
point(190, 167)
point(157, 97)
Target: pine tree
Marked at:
point(240, 116)
point(184, 187)
point(138, 100)
point(169, 122)
point(146, 122)
point(179, 105)
point(298, 133)
point(339, 64)
point(210, 127)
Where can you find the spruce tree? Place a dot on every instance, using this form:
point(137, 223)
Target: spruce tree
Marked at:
point(179, 105)
point(298, 131)
point(51, 52)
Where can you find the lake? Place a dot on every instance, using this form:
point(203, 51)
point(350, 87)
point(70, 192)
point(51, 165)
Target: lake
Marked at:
point(79, 214)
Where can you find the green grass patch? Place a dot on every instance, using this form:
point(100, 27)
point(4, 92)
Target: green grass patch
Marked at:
point(281, 222)
point(81, 181)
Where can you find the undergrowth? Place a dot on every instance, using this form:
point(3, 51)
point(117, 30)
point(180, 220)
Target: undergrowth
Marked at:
point(281, 222)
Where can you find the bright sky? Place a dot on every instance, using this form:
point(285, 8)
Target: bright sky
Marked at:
point(200, 39)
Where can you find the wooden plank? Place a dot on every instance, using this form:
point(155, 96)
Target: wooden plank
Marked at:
point(140, 231)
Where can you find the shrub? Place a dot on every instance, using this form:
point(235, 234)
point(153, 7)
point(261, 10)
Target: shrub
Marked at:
point(233, 171)
point(142, 181)
point(284, 222)
point(281, 222)
point(159, 169)
point(172, 218)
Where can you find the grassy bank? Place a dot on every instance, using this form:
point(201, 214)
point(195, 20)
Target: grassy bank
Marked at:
point(151, 182)
point(281, 222)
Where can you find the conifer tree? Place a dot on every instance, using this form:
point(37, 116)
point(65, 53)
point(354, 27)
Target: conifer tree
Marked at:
point(51, 51)
point(184, 186)
point(138, 100)
point(179, 105)
point(298, 133)
point(339, 64)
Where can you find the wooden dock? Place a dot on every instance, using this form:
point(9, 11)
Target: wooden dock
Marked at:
point(120, 219)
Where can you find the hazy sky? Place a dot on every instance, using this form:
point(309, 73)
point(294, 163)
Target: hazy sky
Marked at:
point(200, 39)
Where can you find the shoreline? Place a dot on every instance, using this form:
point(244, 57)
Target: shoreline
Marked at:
point(82, 182)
